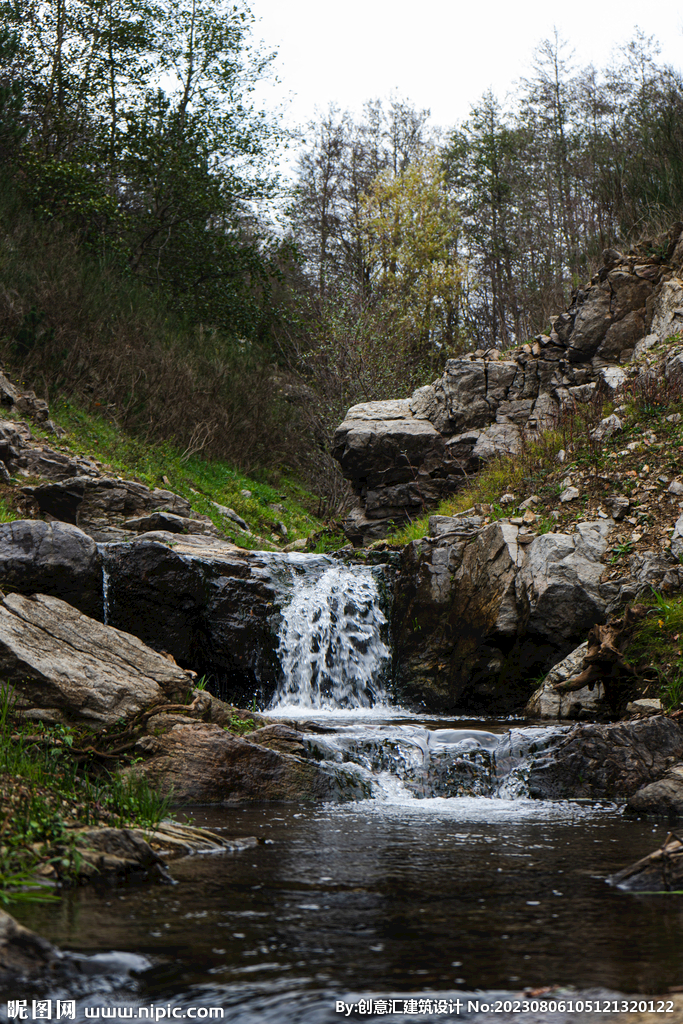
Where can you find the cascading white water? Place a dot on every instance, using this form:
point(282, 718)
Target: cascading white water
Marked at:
point(331, 648)
point(106, 609)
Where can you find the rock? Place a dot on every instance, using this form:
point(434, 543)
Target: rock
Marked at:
point(560, 582)
point(229, 513)
point(547, 702)
point(677, 539)
point(463, 598)
point(96, 503)
point(612, 761)
point(118, 854)
point(661, 871)
point(204, 764)
point(667, 319)
point(51, 558)
point(213, 606)
point(607, 428)
point(660, 799)
point(619, 505)
point(26, 958)
point(570, 494)
point(675, 487)
point(171, 523)
point(57, 658)
point(645, 705)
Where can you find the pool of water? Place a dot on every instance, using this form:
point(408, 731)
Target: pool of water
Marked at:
point(387, 896)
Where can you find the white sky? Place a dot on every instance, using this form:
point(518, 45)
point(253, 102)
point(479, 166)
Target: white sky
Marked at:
point(440, 54)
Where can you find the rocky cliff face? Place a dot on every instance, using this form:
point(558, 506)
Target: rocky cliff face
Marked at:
point(404, 455)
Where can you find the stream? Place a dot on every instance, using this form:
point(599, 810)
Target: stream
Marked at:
point(447, 882)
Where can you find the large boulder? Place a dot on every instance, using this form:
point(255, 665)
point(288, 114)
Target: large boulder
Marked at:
point(612, 761)
point(96, 504)
point(213, 606)
point(660, 799)
point(560, 583)
point(198, 763)
point(51, 558)
point(479, 610)
point(61, 665)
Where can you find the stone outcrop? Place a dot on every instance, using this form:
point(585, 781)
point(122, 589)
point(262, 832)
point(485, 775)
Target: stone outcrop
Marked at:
point(98, 504)
point(213, 606)
point(51, 558)
point(660, 799)
point(402, 455)
point(612, 761)
point(62, 665)
point(479, 609)
point(204, 764)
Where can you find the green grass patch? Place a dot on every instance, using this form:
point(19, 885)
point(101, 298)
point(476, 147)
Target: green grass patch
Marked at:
point(273, 499)
point(46, 793)
point(656, 647)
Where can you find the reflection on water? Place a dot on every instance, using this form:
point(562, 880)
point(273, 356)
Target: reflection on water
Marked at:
point(428, 896)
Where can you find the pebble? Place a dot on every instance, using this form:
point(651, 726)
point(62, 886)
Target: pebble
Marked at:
point(675, 487)
point(506, 499)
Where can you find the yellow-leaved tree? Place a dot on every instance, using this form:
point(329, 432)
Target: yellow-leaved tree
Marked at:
point(411, 227)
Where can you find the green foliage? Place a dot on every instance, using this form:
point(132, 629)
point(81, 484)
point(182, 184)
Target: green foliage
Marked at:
point(241, 726)
point(204, 483)
point(45, 792)
point(657, 643)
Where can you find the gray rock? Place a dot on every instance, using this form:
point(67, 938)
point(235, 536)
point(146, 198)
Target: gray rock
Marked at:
point(95, 503)
point(677, 539)
point(55, 657)
point(667, 319)
point(661, 799)
point(612, 761)
point(232, 515)
point(560, 582)
point(51, 558)
point(570, 494)
point(547, 702)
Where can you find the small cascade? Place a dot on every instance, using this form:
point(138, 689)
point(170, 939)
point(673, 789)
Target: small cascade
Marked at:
point(410, 762)
point(331, 648)
point(106, 607)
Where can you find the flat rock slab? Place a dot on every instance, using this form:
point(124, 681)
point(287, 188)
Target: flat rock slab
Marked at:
point(201, 763)
point(612, 761)
point(55, 657)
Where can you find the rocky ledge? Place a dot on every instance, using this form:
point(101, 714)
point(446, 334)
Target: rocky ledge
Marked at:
point(402, 456)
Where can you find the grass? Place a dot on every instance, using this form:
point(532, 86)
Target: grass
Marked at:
point(657, 647)
point(46, 794)
point(272, 499)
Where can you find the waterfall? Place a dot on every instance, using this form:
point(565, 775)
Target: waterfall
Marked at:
point(106, 609)
point(330, 641)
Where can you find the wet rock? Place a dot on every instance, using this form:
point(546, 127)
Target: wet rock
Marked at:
point(661, 871)
point(213, 606)
point(612, 761)
point(547, 702)
point(660, 799)
point(53, 558)
point(26, 957)
point(116, 855)
point(204, 764)
point(57, 658)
